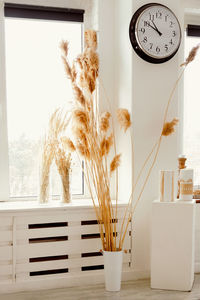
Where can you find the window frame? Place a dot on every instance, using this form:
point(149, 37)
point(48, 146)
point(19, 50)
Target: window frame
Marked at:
point(192, 29)
point(15, 10)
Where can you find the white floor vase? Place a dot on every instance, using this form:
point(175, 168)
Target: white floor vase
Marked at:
point(113, 270)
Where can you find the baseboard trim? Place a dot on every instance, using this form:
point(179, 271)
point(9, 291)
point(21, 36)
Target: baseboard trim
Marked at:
point(75, 280)
point(70, 281)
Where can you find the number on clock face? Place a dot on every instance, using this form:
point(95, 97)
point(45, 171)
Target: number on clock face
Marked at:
point(157, 31)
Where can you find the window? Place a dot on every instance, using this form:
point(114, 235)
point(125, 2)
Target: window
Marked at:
point(36, 85)
point(191, 138)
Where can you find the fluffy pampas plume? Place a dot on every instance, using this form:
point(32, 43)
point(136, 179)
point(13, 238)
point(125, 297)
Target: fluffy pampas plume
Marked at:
point(80, 119)
point(91, 39)
point(124, 118)
point(168, 127)
point(191, 55)
point(105, 145)
point(68, 144)
point(104, 121)
point(115, 163)
point(64, 46)
point(78, 94)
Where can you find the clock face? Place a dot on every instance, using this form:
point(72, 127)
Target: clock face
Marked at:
point(155, 33)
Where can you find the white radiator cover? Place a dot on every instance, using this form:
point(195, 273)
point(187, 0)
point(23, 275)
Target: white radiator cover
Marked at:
point(43, 246)
point(16, 228)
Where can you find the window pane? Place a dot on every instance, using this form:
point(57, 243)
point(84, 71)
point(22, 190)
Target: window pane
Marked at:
point(36, 86)
point(191, 138)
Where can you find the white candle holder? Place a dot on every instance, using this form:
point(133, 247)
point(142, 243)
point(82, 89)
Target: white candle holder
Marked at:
point(167, 185)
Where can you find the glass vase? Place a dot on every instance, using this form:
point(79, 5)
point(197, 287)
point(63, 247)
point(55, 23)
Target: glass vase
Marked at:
point(66, 196)
point(45, 191)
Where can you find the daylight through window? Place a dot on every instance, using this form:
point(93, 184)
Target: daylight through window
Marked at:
point(191, 130)
point(36, 86)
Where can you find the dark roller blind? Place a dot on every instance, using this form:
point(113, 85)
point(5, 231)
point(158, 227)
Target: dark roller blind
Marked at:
point(193, 30)
point(43, 12)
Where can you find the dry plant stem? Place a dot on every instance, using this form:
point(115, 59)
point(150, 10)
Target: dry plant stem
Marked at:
point(86, 175)
point(133, 190)
point(156, 154)
point(66, 188)
point(94, 143)
point(96, 173)
point(44, 195)
point(87, 178)
point(143, 187)
point(115, 152)
point(96, 209)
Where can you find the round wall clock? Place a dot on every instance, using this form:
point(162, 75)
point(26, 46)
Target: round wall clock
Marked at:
point(155, 33)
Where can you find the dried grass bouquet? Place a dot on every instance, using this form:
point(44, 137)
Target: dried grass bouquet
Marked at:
point(54, 149)
point(93, 139)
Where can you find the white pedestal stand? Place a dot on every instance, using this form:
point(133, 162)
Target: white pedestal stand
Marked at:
point(172, 252)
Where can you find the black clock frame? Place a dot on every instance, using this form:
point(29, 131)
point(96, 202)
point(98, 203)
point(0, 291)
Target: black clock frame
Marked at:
point(133, 39)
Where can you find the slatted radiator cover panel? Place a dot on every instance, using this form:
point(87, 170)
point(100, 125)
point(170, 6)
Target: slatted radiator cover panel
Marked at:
point(60, 245)
point(6, 253)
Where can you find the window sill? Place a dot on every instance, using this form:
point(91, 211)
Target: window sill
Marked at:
point(26, 206)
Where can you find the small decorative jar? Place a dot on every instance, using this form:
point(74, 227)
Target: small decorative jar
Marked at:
point(181, 165)
point(186, 184)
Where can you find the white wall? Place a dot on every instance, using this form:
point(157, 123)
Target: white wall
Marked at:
point(151, 88)
point(144, 89)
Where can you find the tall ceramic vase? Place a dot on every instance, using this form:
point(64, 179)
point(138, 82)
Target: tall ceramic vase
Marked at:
point(113, 270)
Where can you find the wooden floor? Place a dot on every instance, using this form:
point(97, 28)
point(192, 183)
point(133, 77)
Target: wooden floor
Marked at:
point(136, 290)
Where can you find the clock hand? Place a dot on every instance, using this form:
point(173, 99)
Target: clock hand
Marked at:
point(156, 28)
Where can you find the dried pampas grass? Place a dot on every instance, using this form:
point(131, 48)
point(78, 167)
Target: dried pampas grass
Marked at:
point(57, 125)
point(68, 144)
point(78, 94)
point(83, 150)
point(87, 82)
point(168, 127)
point(48, 150)
point(115, 163)
point(124, 118)
point(91, 59)
point(94, 136)
point(81, 136)
point(104, 121)
point(67, 68)
point(64, 46)
point(191, 55)
point(106, 145)
point(80, 119)
point(63, 163)
point(90, 39)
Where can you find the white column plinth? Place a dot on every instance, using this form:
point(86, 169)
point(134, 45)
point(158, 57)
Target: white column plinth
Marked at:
point(172, 251)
